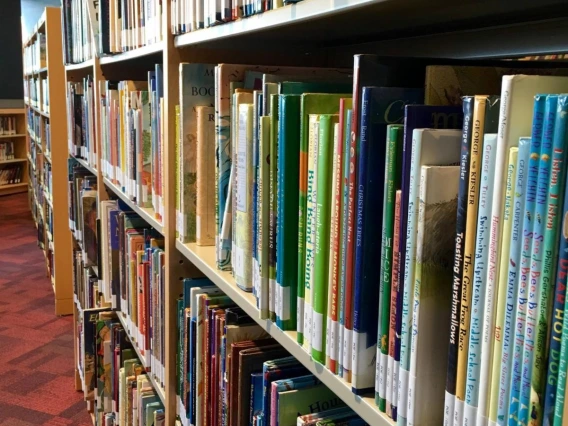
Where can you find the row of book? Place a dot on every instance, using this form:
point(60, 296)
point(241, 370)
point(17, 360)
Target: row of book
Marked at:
point(8, 125)
point(85, 283)
point(37, 93)
point(81, 119)
point(35, 55)
point(192, 15)
point(115, 382)
point(77, 30)
point(230, 372)
point(328, 272)
point(47, 178)
point(125, 25)
point(34, 125)
point(132, 147)
point(6, 151)
point(11, 174)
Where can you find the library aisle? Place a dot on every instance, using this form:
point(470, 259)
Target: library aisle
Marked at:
point(36, 356)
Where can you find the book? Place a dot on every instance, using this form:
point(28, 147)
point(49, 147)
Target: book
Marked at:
point(263, 215)
point(426, 150)
point(205, 176)
point(432, 293)
point(505, 315)
point(377, 111)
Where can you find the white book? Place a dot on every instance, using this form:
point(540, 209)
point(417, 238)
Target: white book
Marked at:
point(429, 147)
point(432, 293)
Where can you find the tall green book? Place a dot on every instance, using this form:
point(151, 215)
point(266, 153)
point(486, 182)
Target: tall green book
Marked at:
point(393, 157)
point(273, 179)
point(263, 212)
point(323, 216)
point(311, 103)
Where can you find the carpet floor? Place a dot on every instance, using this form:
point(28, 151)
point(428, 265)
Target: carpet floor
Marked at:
point(36, 347)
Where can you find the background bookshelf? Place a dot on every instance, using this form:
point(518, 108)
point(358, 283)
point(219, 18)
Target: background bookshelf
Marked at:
point(314, 33)
point(14, 152)
point(46, 129)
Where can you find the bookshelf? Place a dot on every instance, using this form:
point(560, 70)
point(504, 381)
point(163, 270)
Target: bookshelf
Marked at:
point(314, 32)
point(56, 244)
point(18, 140)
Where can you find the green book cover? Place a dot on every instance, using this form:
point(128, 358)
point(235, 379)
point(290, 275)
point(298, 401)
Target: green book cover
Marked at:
point(323, 215)
point(311, 103)
point(196, 88)
point(273, 181)
point(289, 147)
point(151, 408)
point(393, 157)
point(299, 88)
point(178, 174)
point(298, 402)
point(264, 212)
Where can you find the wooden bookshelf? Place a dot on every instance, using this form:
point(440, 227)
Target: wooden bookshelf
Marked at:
point(57, 243)
point(20, 150)
point(312, 32)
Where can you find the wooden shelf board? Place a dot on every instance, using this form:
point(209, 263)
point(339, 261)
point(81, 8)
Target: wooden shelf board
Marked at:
point(82, 65)
point(39, 111)
point(18, 135)
point(12, 111)
point(133, 54)
point(204, 259)
point(15, 160)
point(13, 185)
point(146, 214)
point(158, 388)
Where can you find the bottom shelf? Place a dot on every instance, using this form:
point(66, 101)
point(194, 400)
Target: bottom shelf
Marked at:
point(14, 188)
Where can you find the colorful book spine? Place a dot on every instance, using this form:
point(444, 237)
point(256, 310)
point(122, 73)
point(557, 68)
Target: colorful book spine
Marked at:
point(554, 201)
point(344, 354)
point(392, 173)
point(334, 272)
point(487, 160)
point(537, 255)
point(450, 395)
point(311, 206)
point(555, 404)
point(468, 262)
point(505, 314)
point(263, 215)
point(521, 306)
point(242, 264)
point(553, 386)
point(323, 215)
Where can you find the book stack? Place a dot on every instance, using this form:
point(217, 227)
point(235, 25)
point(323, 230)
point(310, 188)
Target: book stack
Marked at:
point(128, 24)
point(132, 280)
point(114, 380)
point(231, 372)
point(34, 55)
point(7, 125)
point(190, 15)
point(11, 174)
point(132, 146)
point(6, 151)
point(78, 19)
point(81, 120)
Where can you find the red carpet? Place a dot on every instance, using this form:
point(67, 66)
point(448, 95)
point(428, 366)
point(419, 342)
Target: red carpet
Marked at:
point(36, 347)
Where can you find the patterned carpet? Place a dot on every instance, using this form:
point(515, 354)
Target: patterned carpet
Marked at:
point(36, 347)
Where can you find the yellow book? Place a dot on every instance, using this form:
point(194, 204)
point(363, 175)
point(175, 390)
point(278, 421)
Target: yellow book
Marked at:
point(469, 253)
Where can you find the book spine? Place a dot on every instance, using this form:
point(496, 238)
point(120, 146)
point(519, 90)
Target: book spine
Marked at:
point(344, 355)
point(273, 219)
point(521, 306)
point(554, 201)
point(468, 260)
point(501, 373)
point(405, 338)
point(264, 214)
point(449, 403)
point(205, 170)
point(386, 263)
point(334, 252)
point(537, 253)
point(302, 210)
point(311, 214)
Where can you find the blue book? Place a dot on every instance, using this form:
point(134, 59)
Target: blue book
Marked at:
point(526, 237)
point(256, 391)
point(300, 382)
point(380, 106)
point(345, 206)
point(537, 255)
point(521, 178)
point(416, 117)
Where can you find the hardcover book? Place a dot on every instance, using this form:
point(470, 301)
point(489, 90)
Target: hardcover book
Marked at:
point(205, 176)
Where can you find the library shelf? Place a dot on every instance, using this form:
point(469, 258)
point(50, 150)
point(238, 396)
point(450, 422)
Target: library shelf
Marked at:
point(14, 160)
point(86, 165)
point(150, 49)
point(83, 65)
point(39, 111)
point(147, 214)
point(18, 135)
point(157, 386)
point(204, 259)
point(13, 185)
